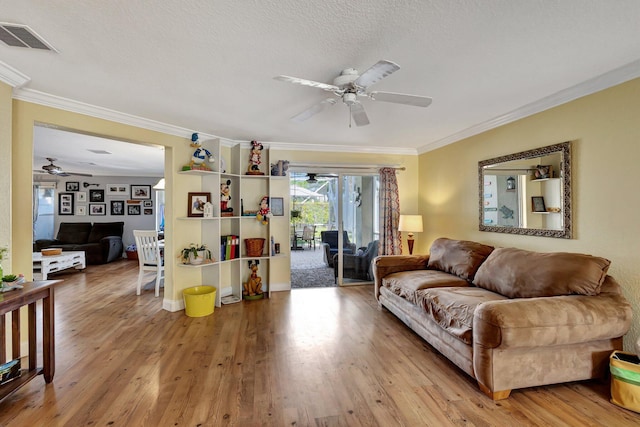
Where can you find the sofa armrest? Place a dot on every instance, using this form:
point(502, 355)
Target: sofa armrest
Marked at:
point(384, 265)
point(112, 248)
point(546, 321)
point(45, 243)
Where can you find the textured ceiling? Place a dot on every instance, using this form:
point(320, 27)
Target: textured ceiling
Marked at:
point(208, 66)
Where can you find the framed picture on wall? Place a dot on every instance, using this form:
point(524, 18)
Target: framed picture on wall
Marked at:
point(117, 190)
point(196, 204)
point(140, 192)
point(72, 186)
point(277, 206)
point(96, 196)
point(81, 196)
point(81, 210)
point(65, 204)
point(133, 209)
point(117, 207)
point(97, 208)
point(148, 211)
point(148, 203)
point(537, 204)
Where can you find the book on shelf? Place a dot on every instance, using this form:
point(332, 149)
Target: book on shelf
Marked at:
point(229, 247)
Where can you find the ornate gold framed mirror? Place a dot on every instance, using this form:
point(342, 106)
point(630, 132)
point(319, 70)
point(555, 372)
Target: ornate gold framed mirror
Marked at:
point(527, 193)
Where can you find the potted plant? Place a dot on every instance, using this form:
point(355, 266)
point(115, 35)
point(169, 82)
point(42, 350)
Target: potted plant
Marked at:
point(195, 254)
point(3, 252)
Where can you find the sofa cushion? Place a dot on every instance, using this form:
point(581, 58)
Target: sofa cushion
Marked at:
point(459, 257)
point(105, 229)
point(453, 308)
point(406, 283)
point(74, 233)
point(517, 273)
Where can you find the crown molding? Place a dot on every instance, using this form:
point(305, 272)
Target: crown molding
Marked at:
point(342, 148)
point(48, 100)
point(42, 98)
point(588, 87)
point(11, 76)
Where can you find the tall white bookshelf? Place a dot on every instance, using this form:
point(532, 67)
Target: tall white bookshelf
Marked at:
point(228, 276)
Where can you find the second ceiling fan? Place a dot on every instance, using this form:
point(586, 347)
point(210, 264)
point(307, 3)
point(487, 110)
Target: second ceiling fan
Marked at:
point(53, 169)
point(350, 85)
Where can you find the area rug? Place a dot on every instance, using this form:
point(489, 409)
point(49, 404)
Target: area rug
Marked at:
point(312, 278)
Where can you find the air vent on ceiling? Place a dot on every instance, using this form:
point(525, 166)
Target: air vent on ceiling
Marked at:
point(22, 36)
point(99, 151)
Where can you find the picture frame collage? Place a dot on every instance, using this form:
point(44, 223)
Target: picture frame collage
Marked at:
point(94, 201)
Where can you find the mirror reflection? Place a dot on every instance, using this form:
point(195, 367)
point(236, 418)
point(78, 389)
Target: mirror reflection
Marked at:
point(527, 193)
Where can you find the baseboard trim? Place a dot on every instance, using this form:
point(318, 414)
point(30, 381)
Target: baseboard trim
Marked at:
point(281, 287)
point(172, 305)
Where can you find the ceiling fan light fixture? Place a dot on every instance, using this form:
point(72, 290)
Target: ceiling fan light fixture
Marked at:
point(349, 98)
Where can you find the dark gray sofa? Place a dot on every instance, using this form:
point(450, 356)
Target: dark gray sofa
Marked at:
point(101, 242)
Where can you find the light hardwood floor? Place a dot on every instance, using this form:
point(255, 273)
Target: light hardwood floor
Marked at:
point(310, 357)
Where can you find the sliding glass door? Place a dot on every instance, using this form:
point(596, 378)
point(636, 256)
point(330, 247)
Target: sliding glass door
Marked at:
point(358, 228)
point(339, 212)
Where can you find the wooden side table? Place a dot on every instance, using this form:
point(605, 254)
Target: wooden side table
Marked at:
point(11, 302)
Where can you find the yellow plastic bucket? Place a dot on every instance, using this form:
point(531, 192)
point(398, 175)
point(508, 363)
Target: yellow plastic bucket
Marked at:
point(199, 301)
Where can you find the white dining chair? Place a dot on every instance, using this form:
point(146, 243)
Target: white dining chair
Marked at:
point(149, 256)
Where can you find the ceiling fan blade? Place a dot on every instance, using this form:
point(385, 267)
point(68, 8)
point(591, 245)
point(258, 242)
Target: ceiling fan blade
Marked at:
point(313, 110)
point(377, 72)
point(305, 82)
point(77, 174)
point(358, 114)
point(401, 98)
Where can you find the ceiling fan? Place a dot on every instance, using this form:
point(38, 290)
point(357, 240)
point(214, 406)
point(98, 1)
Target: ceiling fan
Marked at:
point(350, 85)
point(57, 170)
point(312, 177)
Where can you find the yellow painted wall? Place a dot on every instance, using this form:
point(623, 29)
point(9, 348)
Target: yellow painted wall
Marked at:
point(5, 170)
point(605, 131)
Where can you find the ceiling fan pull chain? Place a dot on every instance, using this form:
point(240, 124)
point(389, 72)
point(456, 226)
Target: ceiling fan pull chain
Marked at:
point(350, 116)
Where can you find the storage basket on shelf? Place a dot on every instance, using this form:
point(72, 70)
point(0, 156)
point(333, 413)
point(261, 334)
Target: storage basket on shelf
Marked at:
point(254, 246)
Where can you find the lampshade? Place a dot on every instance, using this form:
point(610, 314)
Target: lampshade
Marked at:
point(410, 223)
point(159, 185)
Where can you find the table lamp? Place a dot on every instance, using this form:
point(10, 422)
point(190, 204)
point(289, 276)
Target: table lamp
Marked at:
point(411, 224)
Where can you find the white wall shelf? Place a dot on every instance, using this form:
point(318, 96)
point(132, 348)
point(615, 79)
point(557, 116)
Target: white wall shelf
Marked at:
point(228, 276)
point(203, 265)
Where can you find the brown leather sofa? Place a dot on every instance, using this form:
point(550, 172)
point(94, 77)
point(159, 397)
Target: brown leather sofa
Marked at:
point(509, 318)
point(100, 241)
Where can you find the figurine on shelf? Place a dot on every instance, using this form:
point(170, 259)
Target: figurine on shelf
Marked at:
point(225, 197)
point(208, 210)
point(543, 171)
point(264, 213)
point(254, 159)
point(200, 155)
point(280, 168)
point(253, 286)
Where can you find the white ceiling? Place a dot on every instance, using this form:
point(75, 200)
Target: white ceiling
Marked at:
point(75, 152)
point(208, 66)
